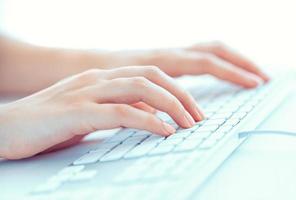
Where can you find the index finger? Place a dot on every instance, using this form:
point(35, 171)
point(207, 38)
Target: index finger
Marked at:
point(158, 77)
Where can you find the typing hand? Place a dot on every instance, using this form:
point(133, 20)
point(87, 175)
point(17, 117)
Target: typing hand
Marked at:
point(93, 100)
point(215, 59)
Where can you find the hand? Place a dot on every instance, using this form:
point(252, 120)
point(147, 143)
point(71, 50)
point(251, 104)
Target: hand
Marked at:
point(215, 59)
point(93, 100)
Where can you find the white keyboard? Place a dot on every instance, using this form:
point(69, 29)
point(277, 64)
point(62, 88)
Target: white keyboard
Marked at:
point(160, 160)
point(223, 113)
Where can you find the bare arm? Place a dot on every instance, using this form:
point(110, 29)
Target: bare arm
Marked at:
point(25, 68)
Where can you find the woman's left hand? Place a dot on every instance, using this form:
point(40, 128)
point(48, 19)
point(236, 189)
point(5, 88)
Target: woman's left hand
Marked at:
point(213, 58)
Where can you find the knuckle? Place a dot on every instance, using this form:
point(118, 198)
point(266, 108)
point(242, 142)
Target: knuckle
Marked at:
point(91, 72)
point(121, 110)
point(218, 47)
point(185, 93)
point(152, 71)
point(173, 104)
point(150, 119)
point(90, 75)
point(206, 62)
point(140, 82)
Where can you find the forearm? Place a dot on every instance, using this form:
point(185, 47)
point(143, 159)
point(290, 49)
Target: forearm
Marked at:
point(26, 68)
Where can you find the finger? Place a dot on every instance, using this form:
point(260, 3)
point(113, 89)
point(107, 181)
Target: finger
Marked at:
point(108, 116)
point(231, 56)
point(155, 75)
point(135, 89)
point(227, 71)
point(145, 107)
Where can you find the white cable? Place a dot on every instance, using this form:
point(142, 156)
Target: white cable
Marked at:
point(265, 132)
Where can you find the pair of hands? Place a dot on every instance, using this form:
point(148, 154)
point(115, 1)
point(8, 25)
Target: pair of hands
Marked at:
point(123, 97)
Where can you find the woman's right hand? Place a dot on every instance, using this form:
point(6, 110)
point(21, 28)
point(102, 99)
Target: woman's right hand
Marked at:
point(93, 100)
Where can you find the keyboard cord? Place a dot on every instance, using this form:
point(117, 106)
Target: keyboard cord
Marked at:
point(265, 132)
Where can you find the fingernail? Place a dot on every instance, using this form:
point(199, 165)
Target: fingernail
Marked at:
point(168, 128)
point(253, 82)
point(198, 113)
point(189, 119)
point(265, 77)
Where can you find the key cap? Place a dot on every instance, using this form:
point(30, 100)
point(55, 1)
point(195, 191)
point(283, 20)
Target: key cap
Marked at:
point(178, 135)
point(161, 150)
point(217, 135)
point(107, 145)
point(118, 152)
point(246, 108)
point(225, 128)
point(142, 133)
point(232, 122)
point(213, 122)
point(207, 144)
point(171, 141)
point(85, 175)
point(222, 115)
point(134, 140)
point(47, 187)
point(71, 169)
point(181, 130)
point(91, 157)
point(119, 137)
point(207, 128)
point(143, 148)
point(188, 145)
point(199, 134)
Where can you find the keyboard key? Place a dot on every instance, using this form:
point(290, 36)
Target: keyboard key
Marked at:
point(134, 140)
point(182, 130)
point(71, 169)
point(161, 150)
point(144, 147)
point(207, 128)
point(171, 141)
point(225, 128)
point(217, 135)
point(239, 115)
point(119, 137)
point(222, 115)
point(107, 145)
point(188, 145)
point(91, 157)
point(232, 122)
point(118, 152)
point(85, 175)
point(142, 133)
point(207, 144)
point(246, 108)
point(210, 122)
point(200, 134)
point(49, 186)
point(179, 135)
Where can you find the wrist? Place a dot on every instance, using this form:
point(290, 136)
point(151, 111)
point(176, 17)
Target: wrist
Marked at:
point(116, 59)
point(152, 57)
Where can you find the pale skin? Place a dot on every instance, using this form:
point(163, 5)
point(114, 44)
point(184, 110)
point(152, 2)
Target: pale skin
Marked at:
point(97, 90)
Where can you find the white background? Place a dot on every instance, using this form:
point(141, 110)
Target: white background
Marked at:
point(264, 30)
